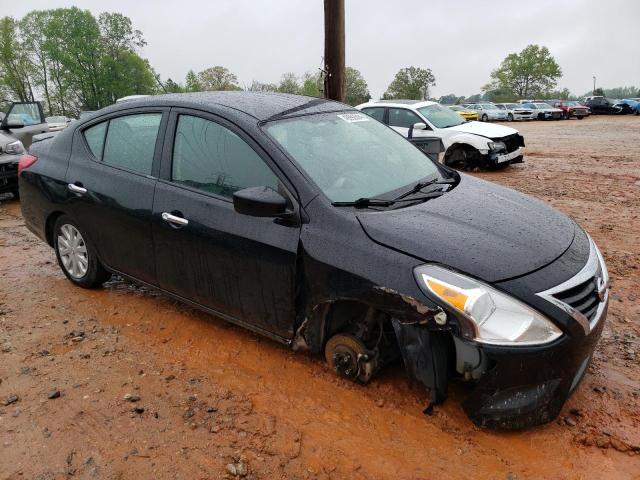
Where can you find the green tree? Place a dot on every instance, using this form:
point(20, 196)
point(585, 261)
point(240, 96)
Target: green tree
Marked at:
point(262, 87)
point(218, 78)
point(289, 84)
point(357, 88)
point(450, 99)
point(411, 83)
point(15, 65)
point(172, 87)
point(192, 83)
point(527, 74)
point(310, 85)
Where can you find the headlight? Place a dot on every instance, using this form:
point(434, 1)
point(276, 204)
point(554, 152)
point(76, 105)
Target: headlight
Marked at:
point(497, 146)
point(487, 315)
point(14, 148)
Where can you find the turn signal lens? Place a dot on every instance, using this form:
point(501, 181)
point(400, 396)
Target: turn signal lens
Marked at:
point(25, 162)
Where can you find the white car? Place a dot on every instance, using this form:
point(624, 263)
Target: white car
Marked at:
point(467, 144)
point(57, 123)
point(516, 111)
point(487, 111)
point(544, 111)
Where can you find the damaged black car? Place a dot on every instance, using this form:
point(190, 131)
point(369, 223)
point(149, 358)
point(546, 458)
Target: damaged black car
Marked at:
point(315, 225)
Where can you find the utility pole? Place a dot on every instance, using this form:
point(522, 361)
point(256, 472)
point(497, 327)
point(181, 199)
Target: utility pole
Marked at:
point(334, 63)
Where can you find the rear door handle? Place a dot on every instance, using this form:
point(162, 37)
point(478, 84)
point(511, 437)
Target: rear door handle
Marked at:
point(76, 189)
point(174, 220)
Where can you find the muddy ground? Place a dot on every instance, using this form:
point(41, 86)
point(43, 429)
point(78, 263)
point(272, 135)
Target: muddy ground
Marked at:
point(150, 388)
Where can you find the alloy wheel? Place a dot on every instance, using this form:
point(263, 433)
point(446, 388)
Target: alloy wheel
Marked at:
point(73, 251)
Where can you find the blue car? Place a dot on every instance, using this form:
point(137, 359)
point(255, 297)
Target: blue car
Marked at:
point(634, 104)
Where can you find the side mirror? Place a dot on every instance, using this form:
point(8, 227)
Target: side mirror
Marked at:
point(259, 202)
point(416, 126)
point(12, 124)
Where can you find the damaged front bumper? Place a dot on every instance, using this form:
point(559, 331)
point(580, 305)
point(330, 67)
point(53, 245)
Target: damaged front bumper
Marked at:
point(515, 387)
point(528, 386)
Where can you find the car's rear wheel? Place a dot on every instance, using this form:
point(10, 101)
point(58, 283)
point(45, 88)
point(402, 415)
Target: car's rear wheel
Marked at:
point(566, 115)
point(510, 117)
point(579, 118)
point(76, 256)
point(485, 118)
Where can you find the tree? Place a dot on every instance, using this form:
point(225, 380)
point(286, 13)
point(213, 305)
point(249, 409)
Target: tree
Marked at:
point(289, 84)
point(192, 83)
point(262, 87)
point(15, 65)
point(411, 83)
point(218, 78)
point(310, 85)
point(450, 99)
point(527, 74)
point(357, 88)
point(172, 87)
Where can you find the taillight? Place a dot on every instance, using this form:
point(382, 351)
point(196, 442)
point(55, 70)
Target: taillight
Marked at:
point(26, 161)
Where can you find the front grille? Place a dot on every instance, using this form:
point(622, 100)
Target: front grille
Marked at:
point(8, 170)
point(513, 142)
point(583, 297)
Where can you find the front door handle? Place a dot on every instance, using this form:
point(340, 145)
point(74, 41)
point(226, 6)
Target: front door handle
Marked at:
point(76, 189)
point(174, 220)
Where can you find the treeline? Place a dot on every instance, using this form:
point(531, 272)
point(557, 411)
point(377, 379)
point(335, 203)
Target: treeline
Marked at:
point(72, 60)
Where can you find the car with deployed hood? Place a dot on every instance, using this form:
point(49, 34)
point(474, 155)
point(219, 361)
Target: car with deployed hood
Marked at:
point(467, 144)
point(311, 223)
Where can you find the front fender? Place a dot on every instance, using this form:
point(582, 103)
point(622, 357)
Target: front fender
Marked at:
point(475, 141)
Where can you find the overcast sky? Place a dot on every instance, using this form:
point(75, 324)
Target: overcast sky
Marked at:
point(461, 41)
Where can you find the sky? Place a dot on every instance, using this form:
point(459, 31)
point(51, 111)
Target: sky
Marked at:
point(461, 41)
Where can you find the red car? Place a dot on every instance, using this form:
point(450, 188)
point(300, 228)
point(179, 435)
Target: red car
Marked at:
point(571, 108)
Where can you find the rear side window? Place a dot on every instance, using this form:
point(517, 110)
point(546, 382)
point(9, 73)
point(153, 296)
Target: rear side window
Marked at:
point(210, 157)
point(401, 117)
point(95, 138)
point(131, 141)
point(376, 112)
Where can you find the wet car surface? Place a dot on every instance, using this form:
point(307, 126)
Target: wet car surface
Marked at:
point(279, 225)
point(277, 410)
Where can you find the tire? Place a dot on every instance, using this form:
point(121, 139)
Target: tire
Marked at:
point(80, 265)
point(510, 117)
point(566, 115)
point(485, 118)
point(16, 194)
point(541, 116)
point(579, 118)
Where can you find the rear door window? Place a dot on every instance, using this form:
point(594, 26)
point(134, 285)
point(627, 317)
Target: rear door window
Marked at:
point(131, 142)
point(94, 137)
point(375, 112)
point(210, 157)
point(401, 117)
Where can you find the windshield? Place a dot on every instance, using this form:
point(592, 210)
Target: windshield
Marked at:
point(513, 105)
point(351, 156)
point(501, 107)
point(543, 105)
point(488, 106)
point(441, 117)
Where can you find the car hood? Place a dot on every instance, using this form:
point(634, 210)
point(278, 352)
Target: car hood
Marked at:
point(489, 130)
point(480, 228)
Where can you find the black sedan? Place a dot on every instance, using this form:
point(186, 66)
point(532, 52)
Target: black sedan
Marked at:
point(314, 224)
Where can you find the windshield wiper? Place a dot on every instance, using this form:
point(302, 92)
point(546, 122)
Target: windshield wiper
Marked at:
point(422, 185)
point(365, 202)
point(378, 202)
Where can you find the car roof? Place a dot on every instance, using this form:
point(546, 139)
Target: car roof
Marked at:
point(260, 105)
point(399, 103)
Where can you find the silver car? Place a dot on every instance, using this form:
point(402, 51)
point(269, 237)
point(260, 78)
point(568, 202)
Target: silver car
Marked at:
point(516, 111)
point(544, 111)
point(488, 111)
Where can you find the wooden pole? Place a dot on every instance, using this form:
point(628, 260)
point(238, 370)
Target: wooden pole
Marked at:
point(334, 62)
